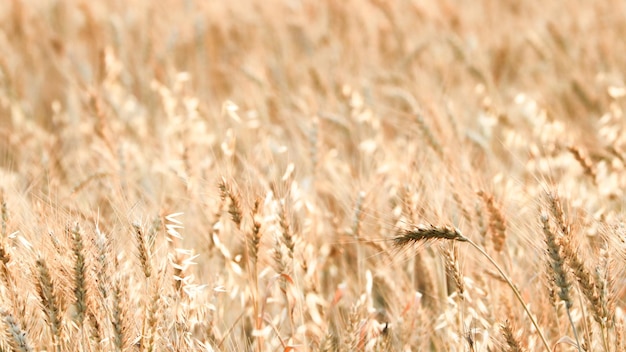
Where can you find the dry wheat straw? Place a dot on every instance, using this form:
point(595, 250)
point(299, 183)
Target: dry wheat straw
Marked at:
point(124, 133)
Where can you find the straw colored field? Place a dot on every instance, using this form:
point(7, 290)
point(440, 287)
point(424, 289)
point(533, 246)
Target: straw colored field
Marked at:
point(312, 175)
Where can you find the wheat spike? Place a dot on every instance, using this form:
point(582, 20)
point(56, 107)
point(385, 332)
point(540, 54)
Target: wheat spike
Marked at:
point(425, 233)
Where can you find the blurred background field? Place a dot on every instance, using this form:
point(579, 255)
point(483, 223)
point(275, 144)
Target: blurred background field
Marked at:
point(230, 176)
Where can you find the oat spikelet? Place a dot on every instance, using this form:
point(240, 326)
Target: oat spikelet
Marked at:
point(425, 233)
point(497, 222)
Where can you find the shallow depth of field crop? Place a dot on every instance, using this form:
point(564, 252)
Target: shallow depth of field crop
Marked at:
point(312, 175)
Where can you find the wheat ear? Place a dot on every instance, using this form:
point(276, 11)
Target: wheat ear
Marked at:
point(80, 275)
point(49, 301)
point(19, 337)
point(559, 274)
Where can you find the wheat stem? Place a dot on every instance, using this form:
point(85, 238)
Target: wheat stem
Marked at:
point(514, 288)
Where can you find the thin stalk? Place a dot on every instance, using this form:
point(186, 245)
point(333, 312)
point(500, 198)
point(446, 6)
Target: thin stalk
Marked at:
point(514, 288)
point(571, 321)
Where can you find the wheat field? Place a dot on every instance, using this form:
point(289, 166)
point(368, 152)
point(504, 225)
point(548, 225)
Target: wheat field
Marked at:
point(312, 175)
